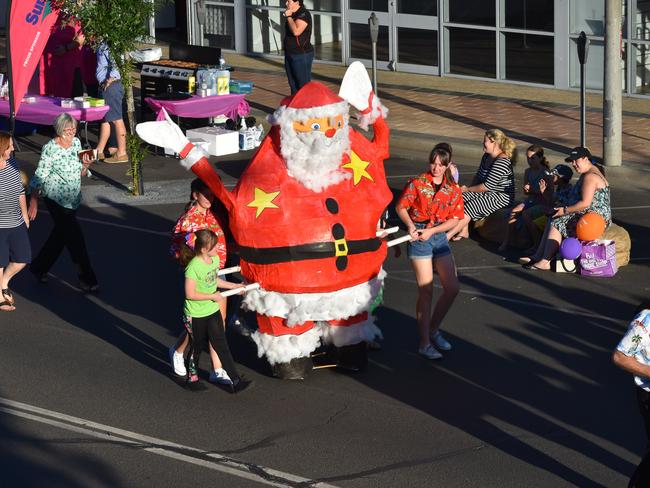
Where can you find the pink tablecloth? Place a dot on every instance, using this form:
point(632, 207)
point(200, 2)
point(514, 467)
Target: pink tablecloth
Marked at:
point(46, 109)
point(199, 107)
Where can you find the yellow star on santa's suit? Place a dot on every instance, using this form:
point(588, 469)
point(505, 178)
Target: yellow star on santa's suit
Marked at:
point(263, 201)
point(358, 167)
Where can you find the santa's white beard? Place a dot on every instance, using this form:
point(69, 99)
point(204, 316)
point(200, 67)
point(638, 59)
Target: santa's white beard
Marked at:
point(312, 158)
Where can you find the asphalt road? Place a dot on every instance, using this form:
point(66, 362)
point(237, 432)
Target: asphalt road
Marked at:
point(528, 397)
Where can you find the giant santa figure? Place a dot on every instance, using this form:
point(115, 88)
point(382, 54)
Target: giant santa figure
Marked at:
point(304, 214)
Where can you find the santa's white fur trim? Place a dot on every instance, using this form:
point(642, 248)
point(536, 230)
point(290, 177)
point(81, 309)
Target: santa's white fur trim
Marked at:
point(378, 108)
point(350, 334)
point(289, 114)
point(298, 308)
point(194, 155)
point(282, 349)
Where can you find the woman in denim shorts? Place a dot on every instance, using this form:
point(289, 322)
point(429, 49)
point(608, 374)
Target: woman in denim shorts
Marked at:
point(430, 205)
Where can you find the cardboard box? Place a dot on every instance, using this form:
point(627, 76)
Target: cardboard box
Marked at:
point(221, 141)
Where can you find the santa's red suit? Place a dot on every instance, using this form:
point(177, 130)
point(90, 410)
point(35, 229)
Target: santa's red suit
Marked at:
point(314, 253)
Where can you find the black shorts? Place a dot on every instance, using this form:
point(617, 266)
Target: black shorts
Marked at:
point(15, 246)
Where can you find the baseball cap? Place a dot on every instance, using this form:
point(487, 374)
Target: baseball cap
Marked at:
point(577, 153)
point(563, 171)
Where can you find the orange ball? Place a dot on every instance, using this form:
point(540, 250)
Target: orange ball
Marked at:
point(590, 226)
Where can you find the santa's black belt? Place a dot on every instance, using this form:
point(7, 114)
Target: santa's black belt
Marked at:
point(339, 249)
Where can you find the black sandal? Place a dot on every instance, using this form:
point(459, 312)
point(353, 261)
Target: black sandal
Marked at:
point(8, 296)
point(7, 304)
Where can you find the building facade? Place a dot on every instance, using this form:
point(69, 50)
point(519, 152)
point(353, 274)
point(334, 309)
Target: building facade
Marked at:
point(516, 41)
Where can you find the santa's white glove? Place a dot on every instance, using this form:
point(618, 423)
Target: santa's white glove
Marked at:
point(165, 133)
point(357, 90)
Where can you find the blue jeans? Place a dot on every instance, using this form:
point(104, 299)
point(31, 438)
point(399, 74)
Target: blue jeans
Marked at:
point(298, 68)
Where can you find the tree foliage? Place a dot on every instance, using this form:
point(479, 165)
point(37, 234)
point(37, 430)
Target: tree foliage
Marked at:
point(118, 23)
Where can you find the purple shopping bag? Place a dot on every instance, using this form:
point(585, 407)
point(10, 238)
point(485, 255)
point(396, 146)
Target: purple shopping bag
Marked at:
point(598, 258)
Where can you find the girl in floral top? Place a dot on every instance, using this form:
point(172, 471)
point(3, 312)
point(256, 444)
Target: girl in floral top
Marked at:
point(198, 215)
point(58, 180)
point(430, 205)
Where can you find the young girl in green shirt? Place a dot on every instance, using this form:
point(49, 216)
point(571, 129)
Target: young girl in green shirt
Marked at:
point(201, 315)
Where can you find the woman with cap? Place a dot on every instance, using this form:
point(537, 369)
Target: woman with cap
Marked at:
point(594, 196)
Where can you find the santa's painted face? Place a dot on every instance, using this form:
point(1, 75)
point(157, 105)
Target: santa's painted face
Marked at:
point(326, 125)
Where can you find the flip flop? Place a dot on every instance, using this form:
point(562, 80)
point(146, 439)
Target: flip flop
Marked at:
point(458, 238)
point(532, 267)
point(524, 260)
point(8, 296)
point(6, 307)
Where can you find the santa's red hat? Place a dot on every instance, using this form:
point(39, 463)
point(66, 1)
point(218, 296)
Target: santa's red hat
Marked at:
point(313, 100)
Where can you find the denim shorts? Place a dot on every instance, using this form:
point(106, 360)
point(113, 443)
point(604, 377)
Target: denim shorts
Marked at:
point(434, 247)
point(15, 246)
point(113, 97)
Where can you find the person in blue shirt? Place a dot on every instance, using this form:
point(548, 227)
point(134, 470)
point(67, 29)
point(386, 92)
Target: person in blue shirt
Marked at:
point(112, 91)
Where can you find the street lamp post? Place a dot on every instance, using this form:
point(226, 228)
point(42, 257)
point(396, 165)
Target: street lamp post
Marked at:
point(373, 23)
point(583, 48)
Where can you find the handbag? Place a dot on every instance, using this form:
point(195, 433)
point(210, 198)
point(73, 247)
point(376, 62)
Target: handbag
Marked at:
point(598, 258)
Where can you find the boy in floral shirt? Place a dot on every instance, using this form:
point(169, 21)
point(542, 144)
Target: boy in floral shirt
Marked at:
point(633, 355)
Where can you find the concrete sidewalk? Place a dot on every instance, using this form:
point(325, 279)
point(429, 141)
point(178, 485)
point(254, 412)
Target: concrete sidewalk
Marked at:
point(428, 109)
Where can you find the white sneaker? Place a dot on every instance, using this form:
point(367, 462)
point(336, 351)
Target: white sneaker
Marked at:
point(440, 342)
point(220, 376)
point(177, 361)
point(429, 352)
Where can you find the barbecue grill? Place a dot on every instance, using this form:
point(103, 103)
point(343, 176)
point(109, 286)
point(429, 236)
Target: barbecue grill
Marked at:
point(172, 75)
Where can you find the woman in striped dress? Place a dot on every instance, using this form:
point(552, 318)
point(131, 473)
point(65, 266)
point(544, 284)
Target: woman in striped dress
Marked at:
point(15, 250)
point(493, 186)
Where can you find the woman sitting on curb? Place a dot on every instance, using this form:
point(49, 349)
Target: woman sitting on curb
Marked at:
point(493, 186)
point(594, 193)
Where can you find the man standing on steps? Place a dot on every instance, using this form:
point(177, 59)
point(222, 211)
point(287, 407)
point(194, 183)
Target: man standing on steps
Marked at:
point(112, 91)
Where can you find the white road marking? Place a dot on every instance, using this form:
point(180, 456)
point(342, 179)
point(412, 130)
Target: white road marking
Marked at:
point(631, 208)
point(520, 302)
point(160, 447)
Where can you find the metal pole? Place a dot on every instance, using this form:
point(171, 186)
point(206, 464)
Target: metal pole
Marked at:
point(373, 24)
point(612, 99)
point(374, 66)
point(583, 107)
point(10, 84)
point(583, 49)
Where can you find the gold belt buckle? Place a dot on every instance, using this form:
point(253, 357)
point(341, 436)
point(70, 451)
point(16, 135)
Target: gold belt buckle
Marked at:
point(340, 247)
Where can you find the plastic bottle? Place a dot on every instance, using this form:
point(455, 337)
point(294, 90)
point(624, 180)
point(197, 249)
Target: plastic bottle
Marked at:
point(222, 63)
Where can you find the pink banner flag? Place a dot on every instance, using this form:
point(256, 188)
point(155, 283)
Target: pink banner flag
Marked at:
point(30, 24)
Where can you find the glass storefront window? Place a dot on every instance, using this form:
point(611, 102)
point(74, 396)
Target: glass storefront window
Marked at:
point(479, 12)
point(417, 46)
point(529, 58)
point(417, 7)
point(322, 5)
point(588, 16)
point(472, 52)
point(375, 5)
point(327, 38)
point(360, 45)
point(264, 31)
point(641, 20)
point(641, 56)
point(594, 67)
point(266, 3)
point(219, 28)
point(529, 14)
point(311, 5)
